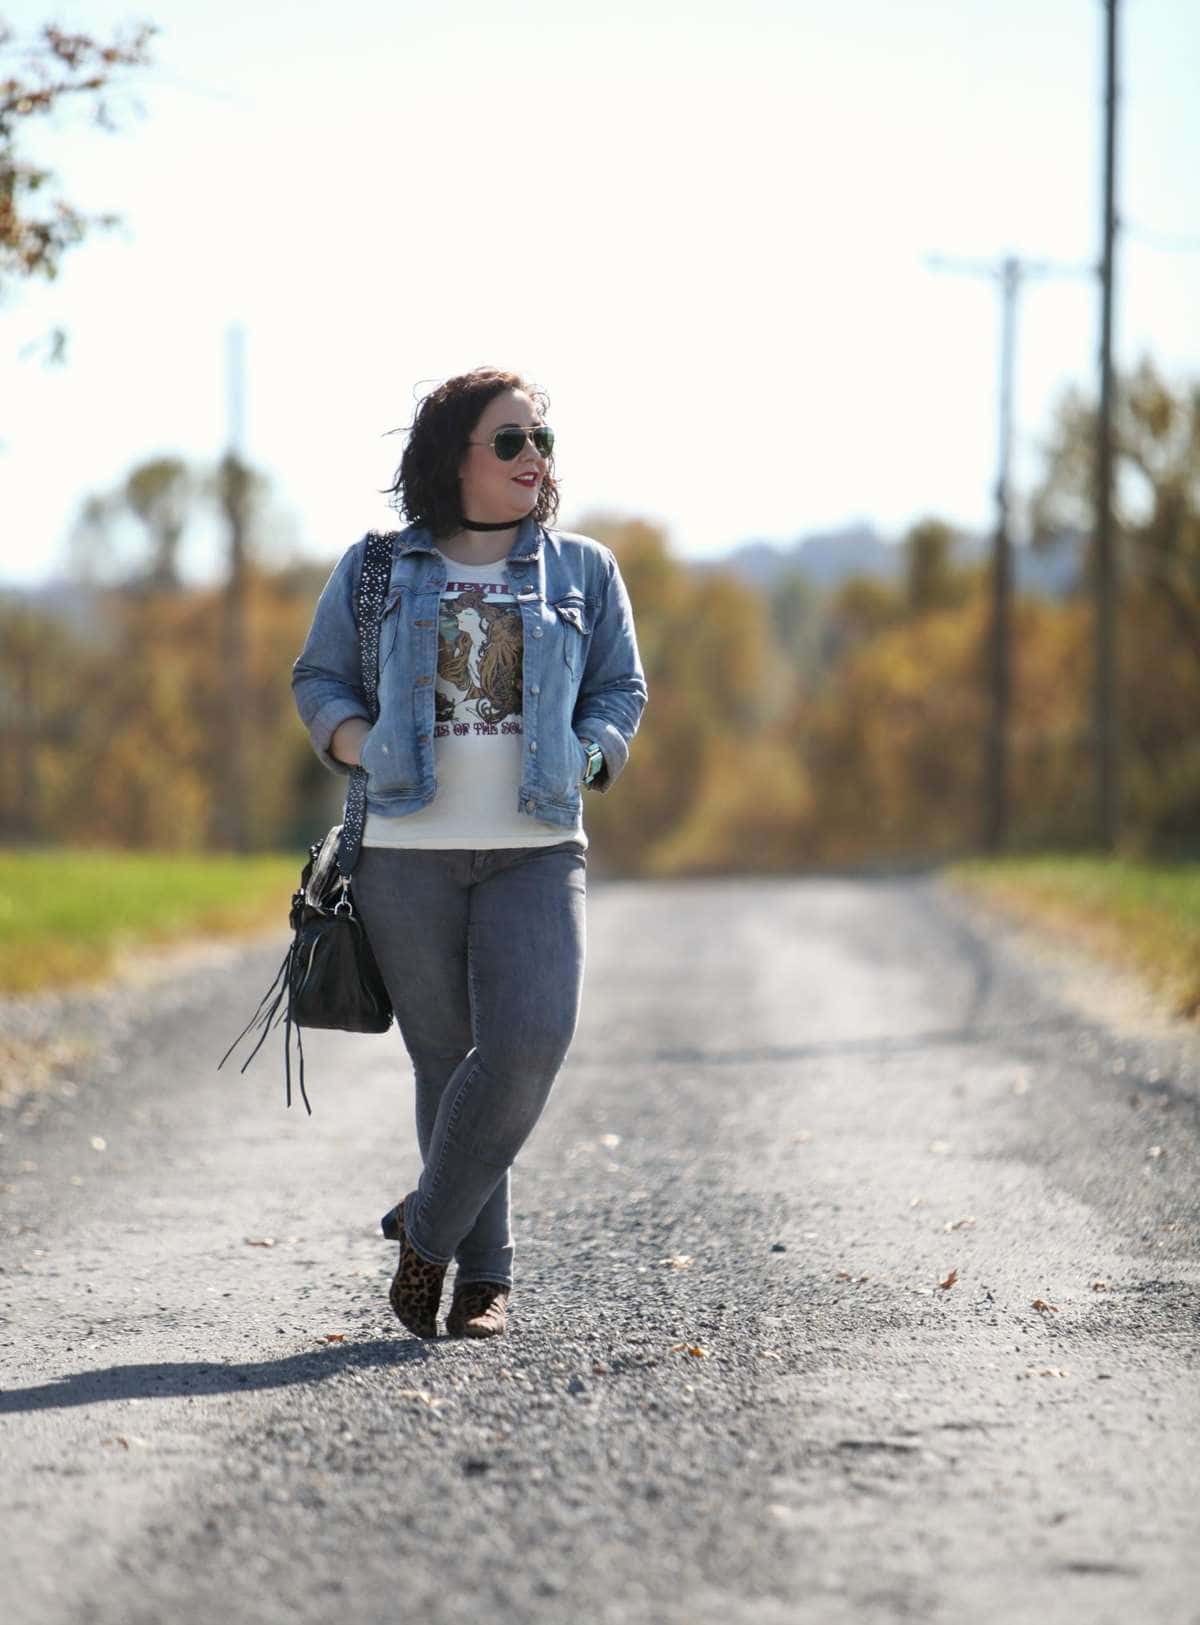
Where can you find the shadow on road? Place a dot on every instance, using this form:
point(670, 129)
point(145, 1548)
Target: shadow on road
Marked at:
point(201, 1377)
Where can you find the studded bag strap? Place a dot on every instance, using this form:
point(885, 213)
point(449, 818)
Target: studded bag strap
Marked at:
point(368, 614)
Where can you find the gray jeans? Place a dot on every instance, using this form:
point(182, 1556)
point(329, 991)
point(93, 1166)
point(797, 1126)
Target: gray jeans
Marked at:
point(482, 953)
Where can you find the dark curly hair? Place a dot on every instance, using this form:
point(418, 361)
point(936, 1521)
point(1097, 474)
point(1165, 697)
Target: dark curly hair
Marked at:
point(426, 489)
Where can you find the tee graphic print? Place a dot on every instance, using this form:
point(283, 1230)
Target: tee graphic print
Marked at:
point(479, 660)
point(478, 730)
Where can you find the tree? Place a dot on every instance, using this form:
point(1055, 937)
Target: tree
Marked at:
point(1157, 450)
point(862, 608)
point(797, 612)
point(933, 579)
point(162, 493)
point(37, 79)
point(1157, 460)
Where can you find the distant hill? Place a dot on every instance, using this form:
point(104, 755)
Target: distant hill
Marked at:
point(828, 558)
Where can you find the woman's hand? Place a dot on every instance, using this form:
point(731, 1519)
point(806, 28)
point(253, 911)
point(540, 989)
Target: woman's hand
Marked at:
point(348, 736)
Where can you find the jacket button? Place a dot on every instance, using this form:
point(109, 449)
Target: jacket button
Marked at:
point(534, 689)
point(422, 739)
point(529, 806)
point(533, 746)
point(537, 631)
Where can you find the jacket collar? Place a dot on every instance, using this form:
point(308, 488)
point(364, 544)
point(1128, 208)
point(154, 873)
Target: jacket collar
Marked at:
point(528, 543)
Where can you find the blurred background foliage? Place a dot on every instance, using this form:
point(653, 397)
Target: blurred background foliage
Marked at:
point(792, 723)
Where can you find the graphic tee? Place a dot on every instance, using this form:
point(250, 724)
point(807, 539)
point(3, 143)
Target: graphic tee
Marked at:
point(478, 732)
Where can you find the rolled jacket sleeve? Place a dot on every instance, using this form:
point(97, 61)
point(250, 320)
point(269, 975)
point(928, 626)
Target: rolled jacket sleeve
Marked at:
point(327, 675)
point(612, 693)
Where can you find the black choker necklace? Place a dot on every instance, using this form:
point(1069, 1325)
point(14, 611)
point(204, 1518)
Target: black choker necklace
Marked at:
point(475, 524)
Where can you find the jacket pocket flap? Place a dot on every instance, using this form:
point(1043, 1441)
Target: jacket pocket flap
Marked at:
point(573, 611)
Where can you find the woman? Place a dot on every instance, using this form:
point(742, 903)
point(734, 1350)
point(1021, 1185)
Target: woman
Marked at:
point(509, 678)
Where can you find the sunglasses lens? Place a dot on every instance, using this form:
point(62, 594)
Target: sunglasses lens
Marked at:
point(508, 443)
point(543, 440)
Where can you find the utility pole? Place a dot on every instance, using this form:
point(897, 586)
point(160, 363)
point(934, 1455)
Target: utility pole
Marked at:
point(1008, 273)
point(1106, 720)
point(996, 823)
point(232, 818)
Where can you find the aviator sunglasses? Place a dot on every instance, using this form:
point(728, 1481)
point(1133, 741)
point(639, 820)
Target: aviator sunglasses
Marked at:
point(509, 443)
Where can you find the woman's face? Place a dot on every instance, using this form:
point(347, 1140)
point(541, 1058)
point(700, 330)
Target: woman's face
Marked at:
point(493, 491)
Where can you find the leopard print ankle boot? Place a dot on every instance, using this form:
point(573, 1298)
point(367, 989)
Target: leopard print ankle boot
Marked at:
point(416, 1288)
point(479, 1309)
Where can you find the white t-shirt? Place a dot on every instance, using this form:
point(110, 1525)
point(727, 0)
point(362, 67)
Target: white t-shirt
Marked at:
point(478, 732)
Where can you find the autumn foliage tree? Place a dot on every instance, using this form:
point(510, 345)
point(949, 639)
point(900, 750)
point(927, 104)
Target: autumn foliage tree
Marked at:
point(39, 77)
point(800, 728)
point(1157, 444)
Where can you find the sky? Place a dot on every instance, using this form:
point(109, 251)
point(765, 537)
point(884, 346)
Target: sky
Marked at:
point(704, 230)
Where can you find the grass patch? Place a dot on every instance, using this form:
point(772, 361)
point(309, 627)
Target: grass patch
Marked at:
point(1141, 915)
point(66, 914)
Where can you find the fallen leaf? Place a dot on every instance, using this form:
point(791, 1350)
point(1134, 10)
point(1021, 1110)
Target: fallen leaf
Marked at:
point(1043, 1307)
point(959, 1224)
point(1156, 1151)
point(842, 1275)
point(769, 1354)
point(332, 1337)
point(696, 1349)
point(678, 1261)
point(260, 1241)
point(420, 1394)
point(861, 1279)
point(949, 1281)
point(1101, 1286)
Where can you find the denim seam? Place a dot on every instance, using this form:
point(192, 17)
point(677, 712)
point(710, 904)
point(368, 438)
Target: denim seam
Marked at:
point(450, 1122)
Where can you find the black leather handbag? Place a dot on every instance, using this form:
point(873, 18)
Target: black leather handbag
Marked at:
point(329, 977)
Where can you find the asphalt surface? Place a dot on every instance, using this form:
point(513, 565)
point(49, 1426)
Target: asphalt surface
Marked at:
point(821, 1148)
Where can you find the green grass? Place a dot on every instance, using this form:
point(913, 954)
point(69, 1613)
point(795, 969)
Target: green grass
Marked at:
point(1142, 915)
point(66, 914)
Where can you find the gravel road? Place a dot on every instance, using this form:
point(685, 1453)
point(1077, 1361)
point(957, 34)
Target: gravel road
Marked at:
point(857, 1280)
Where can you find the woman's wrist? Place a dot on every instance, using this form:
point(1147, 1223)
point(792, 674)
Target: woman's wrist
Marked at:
point(346, 744)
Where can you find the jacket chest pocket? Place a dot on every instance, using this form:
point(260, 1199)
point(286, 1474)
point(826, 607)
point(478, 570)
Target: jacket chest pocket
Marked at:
point(574, 619)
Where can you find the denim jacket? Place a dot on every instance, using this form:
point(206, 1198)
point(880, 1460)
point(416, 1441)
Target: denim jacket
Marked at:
point(583, 676)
